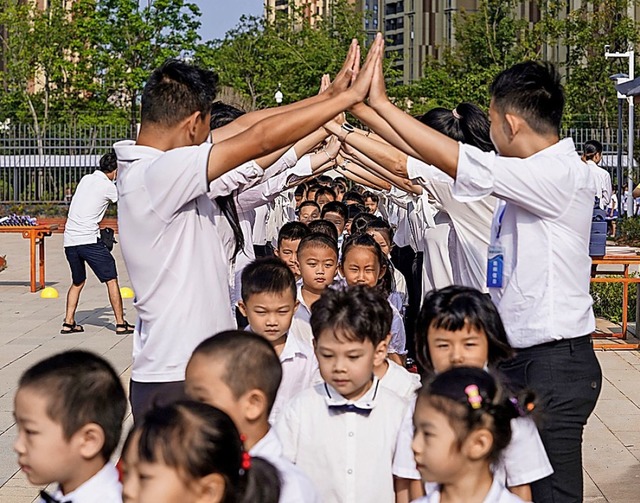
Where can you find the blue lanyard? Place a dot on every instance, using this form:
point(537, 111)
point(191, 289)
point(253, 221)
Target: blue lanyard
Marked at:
point(500, 217)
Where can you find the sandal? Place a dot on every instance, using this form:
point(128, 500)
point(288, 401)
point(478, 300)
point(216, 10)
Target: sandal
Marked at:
point(71, 328)
point(125, 328)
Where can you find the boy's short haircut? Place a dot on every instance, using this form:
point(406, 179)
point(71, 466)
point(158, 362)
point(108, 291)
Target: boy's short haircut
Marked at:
point(176, 90)
point(370, 195)
point(353, 210)
point(324, 180)
point(318, 240)
point(325, 191)
point(81, 388)
point(354, 197)
point(532, 90)
point(267, 275)
point(335, 207)
point(292, 231)
point(338, 188)
point(314, 187)
point(304, 204)
point(382, 226)
point(109, 162)
point(250, 362)
point(356, 313)
point(323, 227)
point(223, 114)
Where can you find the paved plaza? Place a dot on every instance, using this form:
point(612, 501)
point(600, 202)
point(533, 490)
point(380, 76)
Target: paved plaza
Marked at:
point(30, 326)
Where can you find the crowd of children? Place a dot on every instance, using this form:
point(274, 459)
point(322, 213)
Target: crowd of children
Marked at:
point(337, 255)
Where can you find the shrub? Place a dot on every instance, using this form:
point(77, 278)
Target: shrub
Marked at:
point(607, 300)
point(629, 231)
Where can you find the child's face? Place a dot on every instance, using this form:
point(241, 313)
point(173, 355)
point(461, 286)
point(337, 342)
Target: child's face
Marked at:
point(323, 199)
point(270, 313)
point(288, 253)
point(337, 220)
point(318, 266)
point(382, 241)
point(204, 383)
point(308, 214)
point(360, 266)
point(44, 454)
point(437, 455)
point(467, 347)
point(371, 205)
point(348, 365)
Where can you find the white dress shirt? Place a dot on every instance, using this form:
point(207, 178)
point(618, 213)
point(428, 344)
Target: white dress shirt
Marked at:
point(497, 494)
point(350, 457)
point(103, 487)
point(603, 184)
point(296, 486)
point(402, 382)
point(88, 206)
point(542, 224)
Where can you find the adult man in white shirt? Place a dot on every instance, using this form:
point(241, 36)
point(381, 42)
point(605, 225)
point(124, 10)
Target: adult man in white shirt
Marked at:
point(538, 257)
point(167, 222)
point(82, 243)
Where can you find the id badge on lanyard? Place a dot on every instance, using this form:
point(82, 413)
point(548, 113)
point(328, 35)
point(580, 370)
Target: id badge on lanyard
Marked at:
point(495, 258)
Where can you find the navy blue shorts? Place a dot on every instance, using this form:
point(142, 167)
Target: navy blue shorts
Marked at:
point(97, 256)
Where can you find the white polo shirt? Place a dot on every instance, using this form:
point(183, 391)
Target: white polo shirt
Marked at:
point(349, 457)
point(542, 223)
point(173, 254)
point(103, 487)
point(88, 206)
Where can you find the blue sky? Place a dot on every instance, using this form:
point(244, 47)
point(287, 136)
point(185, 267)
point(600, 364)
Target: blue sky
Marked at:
point(218, 16)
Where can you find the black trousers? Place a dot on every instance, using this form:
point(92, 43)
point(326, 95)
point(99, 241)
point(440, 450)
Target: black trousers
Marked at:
point(144, 396)
point(567, 379)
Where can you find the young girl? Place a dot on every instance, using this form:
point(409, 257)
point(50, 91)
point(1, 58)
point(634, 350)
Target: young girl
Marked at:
point(460, 326)
point(462, 422)
point(363, 263)
point(192, 453)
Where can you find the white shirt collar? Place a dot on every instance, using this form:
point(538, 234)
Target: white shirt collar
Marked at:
point(367, 401)
point(127, 150)
point(268, 446)
point(92, 489)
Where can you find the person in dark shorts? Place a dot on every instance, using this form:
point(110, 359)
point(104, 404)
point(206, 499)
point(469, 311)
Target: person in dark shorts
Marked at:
point(83, 246)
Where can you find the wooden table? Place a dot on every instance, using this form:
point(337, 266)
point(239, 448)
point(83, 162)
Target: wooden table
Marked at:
point(36, 235)
point(623, 277)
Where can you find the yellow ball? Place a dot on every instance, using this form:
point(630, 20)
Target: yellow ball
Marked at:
point(126, 292)
point(49, 293)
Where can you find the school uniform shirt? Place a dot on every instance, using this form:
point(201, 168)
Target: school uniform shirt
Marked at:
point(303, 313)
point(296, 485)
point(103, 487)
point(88, 206)
point(398, 342)
point(174, 256)
point(349, 456)
point(241, 178)
point(603, 184)
point(402, 382)
point(542, 224)
point(471, 222)
point(399, 297)
point(497, 494)
point(514, 468)
point(302, 330)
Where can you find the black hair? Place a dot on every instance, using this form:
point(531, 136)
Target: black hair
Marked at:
point(325, 191)
point(293, 231)
point(250, 362)
point(267, 275)
point(197, 440)
point(81, 388)
point(223, 114)
point(306, 203)
point(324, 180)
point(323, 227)
point(335, 207)
point(370, 195)
point(591, 149)
point(467, 123)
point(318, 239)
point(338, 188)
point(300, 190)
point(315, 187)
point(386, 283)
point(360, 221)
point(109, 162)
point(382, 226)
point(176, 90)
point(354, 313)
point(471, 399)
point(532, 90)
point(454, 308)
point(352, 195)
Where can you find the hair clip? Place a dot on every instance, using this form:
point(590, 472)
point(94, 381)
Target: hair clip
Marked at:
point(473, 396)
point(246, 461)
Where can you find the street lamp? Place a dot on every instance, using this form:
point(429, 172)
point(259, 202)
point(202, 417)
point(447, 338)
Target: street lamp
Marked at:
point(278, 96)
point(630, 55)
point(619, 78)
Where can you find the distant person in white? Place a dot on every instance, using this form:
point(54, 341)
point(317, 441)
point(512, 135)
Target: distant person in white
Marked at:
point(82, 243)
point(592, 155)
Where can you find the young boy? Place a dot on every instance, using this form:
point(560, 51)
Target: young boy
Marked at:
point(239, 373)
point(308, 211)
point(318, 261)
point(288, 241)
point(69, 410)
point(337, 213)
point(351, 435)
point(269, 302)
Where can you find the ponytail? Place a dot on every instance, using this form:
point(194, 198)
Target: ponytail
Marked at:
point(261, 483)
point(228, 208)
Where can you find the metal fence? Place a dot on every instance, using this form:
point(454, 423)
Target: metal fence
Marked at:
point(46, 170)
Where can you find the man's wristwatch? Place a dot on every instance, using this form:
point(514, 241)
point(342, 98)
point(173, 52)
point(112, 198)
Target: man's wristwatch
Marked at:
point(348, 128)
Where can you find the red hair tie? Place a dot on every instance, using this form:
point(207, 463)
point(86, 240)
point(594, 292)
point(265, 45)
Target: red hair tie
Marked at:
point(246, 461)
